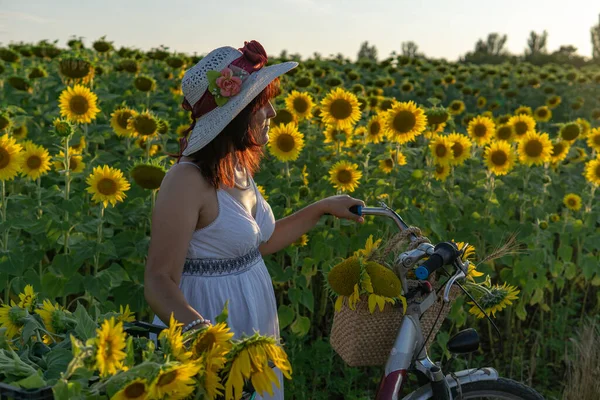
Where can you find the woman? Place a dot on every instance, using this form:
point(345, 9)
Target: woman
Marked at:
point(210, 225)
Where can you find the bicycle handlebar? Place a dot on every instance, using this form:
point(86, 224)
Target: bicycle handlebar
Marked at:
point(444, 253)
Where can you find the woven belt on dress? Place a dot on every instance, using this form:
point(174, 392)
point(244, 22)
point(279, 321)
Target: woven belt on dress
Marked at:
point(220, 266)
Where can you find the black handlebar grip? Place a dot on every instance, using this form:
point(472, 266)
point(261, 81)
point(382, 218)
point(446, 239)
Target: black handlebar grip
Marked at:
point(444, 253)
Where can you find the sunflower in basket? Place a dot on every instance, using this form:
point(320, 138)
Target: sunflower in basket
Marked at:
point(359, 277)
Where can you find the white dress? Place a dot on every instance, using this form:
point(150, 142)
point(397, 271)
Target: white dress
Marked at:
point(223, 263)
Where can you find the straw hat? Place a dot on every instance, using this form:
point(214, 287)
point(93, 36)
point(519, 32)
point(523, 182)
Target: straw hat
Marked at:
point(225, 81)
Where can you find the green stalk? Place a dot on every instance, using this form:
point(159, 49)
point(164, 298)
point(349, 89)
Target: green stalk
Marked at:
point(98, 242)
point(4, 206)
point(67, 164)
point(5, 238)
point(39, 197)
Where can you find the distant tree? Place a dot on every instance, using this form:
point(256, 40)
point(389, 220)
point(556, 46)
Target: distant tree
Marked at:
point(489, 51)
point(410, 49)
point(536, 44)
point(536, 51)
point(317, 55)
point(283, 55)
point(596, 41)
point(368, 52)
point(567, 55)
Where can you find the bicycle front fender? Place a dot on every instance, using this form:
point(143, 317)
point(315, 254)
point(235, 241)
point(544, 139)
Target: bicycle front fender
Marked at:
point(461, 377)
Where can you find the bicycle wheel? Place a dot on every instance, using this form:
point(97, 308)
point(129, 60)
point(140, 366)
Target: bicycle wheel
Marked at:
point(501, 389)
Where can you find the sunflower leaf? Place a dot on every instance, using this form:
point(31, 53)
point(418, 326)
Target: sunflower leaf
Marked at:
point(86, 327)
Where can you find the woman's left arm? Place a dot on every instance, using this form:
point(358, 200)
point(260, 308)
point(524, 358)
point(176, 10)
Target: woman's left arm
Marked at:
point(291, 228)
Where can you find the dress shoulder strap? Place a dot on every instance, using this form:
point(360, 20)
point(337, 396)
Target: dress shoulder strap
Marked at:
point(187, 162)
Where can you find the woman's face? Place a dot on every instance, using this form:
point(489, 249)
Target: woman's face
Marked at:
point(261, 120)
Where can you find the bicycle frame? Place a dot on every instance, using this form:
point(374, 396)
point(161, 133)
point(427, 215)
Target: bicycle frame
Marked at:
point(408, 351)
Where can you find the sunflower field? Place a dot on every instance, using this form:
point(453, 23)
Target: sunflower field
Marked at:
point(472, 153)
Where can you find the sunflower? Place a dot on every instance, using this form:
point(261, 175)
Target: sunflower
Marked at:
point(136, 389)
point(35, 161)
point(523, 110)
point(283, 116)
point(560, 149)
point(584, 125)
point(148, 175)
point(250, 360)
point(441, 172)
point(593, 139)
point(522, 124)
point(343, 280)
point(125, 315)
point(285, 142)
point(337, 135)
point(78, 104)
point(62, 127)
point(535, 148)
point(340, 108)
point(11, 157)
point(553, 101)
point(569, 132)
point(107, 185)
point(110, 343)
point(499, 157)
point(456, 107)
point(481, 129)
point(344, 176)
point(261, 189)
point(78, 148)
point(301, 241)
point(592, 171)
point(19, 132)
point(572, 201)
point(175, 381)
point(542, 114)
point(172, 341)
point(214, 361)
point(375, 132)
point(404, 121)
point(370, 247)
point(481, 101)
point(53, 316)
point(299, 104)
point(505, 132)
point(27, 298)
point(498, 298)
point(215, 336)
point(119, 121)
point(141, 142)
point(441, 148)
point(386, 165)
point(12, 318)
point(76, 163)
point(461, 148)
point(144, 124)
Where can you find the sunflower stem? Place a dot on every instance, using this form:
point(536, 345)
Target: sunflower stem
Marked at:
point(99, 241)
point(588, 207)
point(67, 189)
point(39, 197)
point(4, 205)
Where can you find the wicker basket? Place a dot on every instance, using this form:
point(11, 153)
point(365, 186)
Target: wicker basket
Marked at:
point(364, 339)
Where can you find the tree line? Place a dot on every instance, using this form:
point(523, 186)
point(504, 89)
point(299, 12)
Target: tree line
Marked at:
point(492, 50)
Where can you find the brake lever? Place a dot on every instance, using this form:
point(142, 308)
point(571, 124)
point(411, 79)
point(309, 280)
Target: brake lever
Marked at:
point(460, 274)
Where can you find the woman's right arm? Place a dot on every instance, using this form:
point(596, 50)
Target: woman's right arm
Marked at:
point(174, 219)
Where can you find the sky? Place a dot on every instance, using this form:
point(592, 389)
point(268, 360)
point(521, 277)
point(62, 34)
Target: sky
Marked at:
point(441, 28)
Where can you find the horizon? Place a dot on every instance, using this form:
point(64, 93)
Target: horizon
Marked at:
point(136, 24)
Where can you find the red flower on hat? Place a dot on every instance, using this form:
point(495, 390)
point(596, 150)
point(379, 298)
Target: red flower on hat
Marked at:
point(230, 85)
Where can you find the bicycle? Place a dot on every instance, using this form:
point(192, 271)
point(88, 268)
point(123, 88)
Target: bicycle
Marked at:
point(409, 353)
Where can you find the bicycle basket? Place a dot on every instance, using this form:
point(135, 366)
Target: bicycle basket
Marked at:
point(364, 339)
